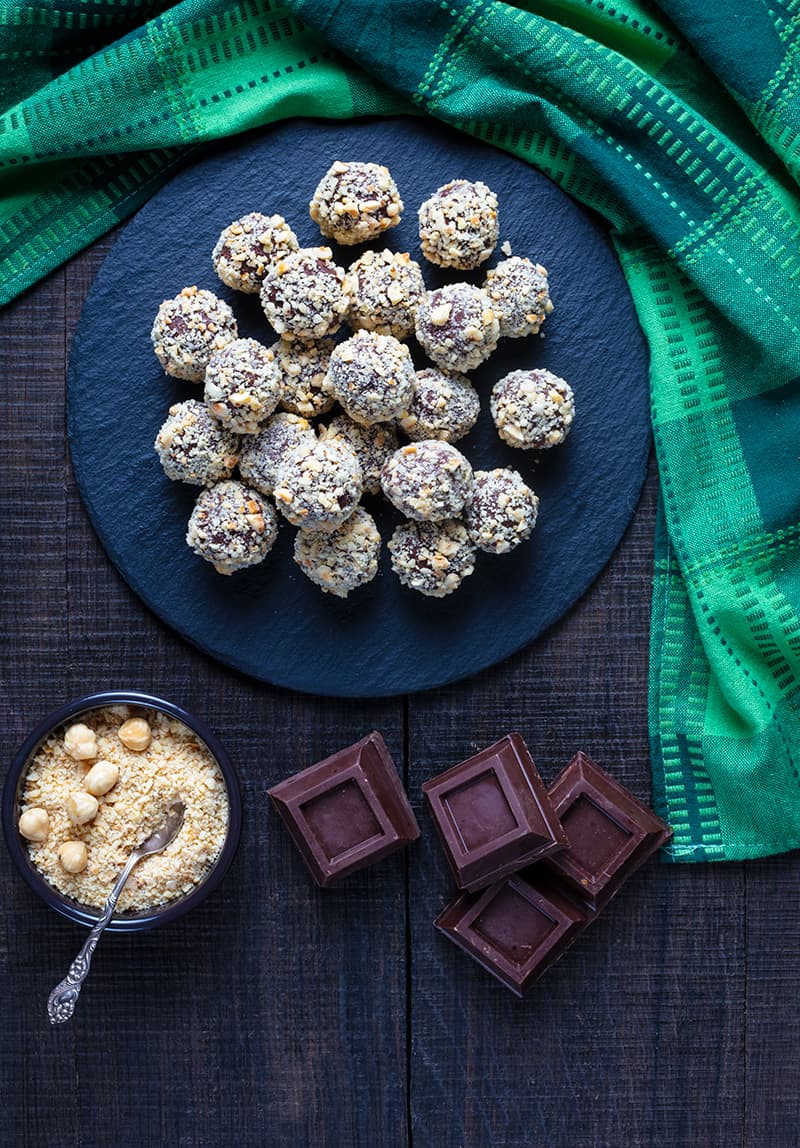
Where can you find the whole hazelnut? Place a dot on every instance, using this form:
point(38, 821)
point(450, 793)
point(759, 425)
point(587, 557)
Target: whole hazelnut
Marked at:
point(80, 742)
point(34, 824)
point(135, 733)
point(81, 807)
point(73, 856)
point(103, 776)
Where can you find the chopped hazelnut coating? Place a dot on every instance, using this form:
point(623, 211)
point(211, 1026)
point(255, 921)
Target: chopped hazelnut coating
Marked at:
point(457, 327)
point(356, 202)
point(302, 365)
point(263, 454)
point(501, 511)
point(372, 376)
point(458, 225)
point(342, 559)
point(232, 526)
point(83, 861)
point(427, 481)
point(319, 484)
point(80, 742)
point(520, 295)
point(247, 247)
point(385, 289)
point(243, 385)
point(303, 294)
point(532, 409)
point(188, 329)
point(372, 444)
point(444, 405)
point(433, 558)
point(194, 447)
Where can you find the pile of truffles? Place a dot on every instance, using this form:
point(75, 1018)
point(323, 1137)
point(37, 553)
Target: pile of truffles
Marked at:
point(259, 401)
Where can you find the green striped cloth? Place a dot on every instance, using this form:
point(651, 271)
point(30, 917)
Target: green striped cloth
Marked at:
point(679, 124)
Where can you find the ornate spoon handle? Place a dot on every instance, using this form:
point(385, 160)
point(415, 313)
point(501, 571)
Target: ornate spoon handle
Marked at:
point(62, 1000)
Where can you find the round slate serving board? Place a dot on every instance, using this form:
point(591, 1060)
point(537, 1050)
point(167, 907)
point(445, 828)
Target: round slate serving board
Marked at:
point(270, 621)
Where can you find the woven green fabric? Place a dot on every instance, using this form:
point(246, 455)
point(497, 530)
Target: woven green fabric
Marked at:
point(680, 125)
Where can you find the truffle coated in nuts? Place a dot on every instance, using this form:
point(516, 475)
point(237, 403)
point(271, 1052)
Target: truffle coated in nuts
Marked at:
point(303, 295)
point(34, 824)
point(372, 444)
point(355, 202)
point(193, 446)
point(247, 247)
point(520, 295)
point(319, 484)
point(457, 327)
point(385, 289)
point(532, 409)
point(340, 560)
point(372, 376)
point(135, 734)
point(243, 385)
point(263, 454)
point(427, 481)
point(188, 329)
point(73, 856)
point(81, 808)
point(433, 558)
point(458, 225)
point(80, 742)
point(102, 777)
point(444, 405)
point(232, 526)
point(302, 365)
point(501, 511)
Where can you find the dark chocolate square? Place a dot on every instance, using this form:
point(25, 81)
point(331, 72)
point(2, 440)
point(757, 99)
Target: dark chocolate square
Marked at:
point(347, 811)
point(611, 833)
point(493, 814)
point(515, 929)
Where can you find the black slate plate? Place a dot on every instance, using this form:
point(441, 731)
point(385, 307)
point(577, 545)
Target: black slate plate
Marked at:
point(271, 622)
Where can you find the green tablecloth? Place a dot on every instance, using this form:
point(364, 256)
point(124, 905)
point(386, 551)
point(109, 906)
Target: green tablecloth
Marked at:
point(679, 124)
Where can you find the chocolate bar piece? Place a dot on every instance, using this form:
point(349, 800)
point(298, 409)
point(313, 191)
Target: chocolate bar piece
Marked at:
point(493, 814)
point(515, 929)
point(611, 833)
point(348, 811)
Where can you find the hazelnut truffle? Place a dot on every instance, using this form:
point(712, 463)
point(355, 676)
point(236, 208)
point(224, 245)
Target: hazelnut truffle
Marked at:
point(520, 295)
point(457, 327)
point(194, 447)
point(372, 376)
point(501, 511)
point(372, 444)
point(340, 560)
point(242, 385)
point(319, 484)
point(356, 202)
point(427, 481)
point(444, 405)
point(432, 557)
point(532, 409)
point(303, 294)
point(303, 364)
point(247, 247)
point(385, 289)
point(232, 526)
point(458, 225)
point(188, 329)
point(263, 454)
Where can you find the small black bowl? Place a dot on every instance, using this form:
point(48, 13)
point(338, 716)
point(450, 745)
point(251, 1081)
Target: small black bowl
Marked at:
point(83, 915)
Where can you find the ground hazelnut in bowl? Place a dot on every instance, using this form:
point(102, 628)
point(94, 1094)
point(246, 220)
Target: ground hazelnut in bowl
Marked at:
point(93, 780)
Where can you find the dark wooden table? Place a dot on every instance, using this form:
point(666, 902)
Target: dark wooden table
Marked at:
point(281, 1015)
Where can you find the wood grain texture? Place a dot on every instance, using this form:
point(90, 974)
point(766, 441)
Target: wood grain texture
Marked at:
point(282, 1015)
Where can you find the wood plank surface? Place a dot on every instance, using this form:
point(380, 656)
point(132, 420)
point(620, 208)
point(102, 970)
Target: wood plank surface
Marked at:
point(281, 1015)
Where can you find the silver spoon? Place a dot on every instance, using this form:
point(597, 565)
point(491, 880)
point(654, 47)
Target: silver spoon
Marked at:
point(62, 1000)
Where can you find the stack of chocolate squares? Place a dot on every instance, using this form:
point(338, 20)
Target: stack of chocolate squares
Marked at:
point(535, 866)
